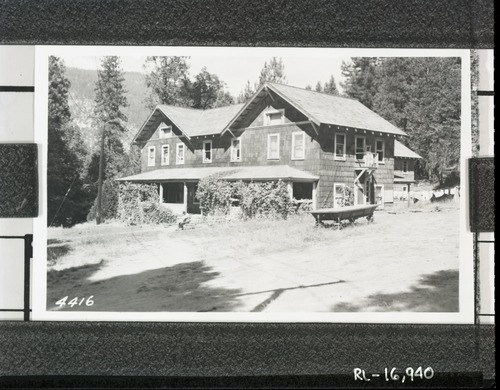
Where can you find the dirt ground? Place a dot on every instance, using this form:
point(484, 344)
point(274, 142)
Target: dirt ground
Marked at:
point(406, 260)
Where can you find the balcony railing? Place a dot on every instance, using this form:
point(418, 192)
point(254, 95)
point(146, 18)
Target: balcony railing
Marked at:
point(370, 160)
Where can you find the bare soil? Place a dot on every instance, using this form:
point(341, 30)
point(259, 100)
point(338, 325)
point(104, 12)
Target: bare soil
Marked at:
point(406, 260)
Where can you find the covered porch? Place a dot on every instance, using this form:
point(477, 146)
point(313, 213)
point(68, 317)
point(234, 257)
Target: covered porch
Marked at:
point(177, 186)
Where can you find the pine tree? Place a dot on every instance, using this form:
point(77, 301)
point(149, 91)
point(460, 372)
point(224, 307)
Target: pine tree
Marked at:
point(246, 94)
point(318, 87)
point(273, 72)
point(110, 99)
point(67, 201)
point(361, 79)
point(331, 87)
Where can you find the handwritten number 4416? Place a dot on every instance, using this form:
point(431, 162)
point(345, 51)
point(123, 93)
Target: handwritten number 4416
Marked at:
point(75, 301)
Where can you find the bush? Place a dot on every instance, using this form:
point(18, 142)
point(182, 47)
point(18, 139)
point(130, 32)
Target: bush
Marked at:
point(347, 196)
point(138, 204)
point(109, 202)
point(214, 195)
point(301, 206)
point(270, 199)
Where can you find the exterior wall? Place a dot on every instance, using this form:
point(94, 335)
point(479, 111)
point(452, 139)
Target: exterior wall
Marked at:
point(253, 148)
point(398, 168)
point(334, 171)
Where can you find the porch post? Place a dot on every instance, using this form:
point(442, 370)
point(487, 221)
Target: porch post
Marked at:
point(185, 196)
point(160, 193)
point(289, 185)
point(314, 195)
point(409, 185)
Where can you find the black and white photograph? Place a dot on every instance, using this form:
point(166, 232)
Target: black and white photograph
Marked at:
point(259, 184)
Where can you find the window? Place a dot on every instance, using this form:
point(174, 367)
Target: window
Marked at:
point(298, 145)
point(273, 146)
point(236, 150)
point(379, 194)
point(165, 131)
point(173, 192)
point(180, 154)
point(165, 155)
point(380, 150)
point(360, 148)
point(151, 156)
point(274, 117)
point(405, 166)
point(405, 188)
point(207, 151)
point(340, 147)
point(338, 195)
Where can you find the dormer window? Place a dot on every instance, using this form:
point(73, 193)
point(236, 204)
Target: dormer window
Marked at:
point(165, 131)
point(276, 117)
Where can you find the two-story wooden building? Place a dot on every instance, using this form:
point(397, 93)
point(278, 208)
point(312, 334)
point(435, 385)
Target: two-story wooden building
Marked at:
point(317, 143)
point(404, 170)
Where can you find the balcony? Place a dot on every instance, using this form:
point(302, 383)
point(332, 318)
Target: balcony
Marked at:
point(369, 160)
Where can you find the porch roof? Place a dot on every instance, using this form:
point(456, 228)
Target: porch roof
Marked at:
point(273, 172)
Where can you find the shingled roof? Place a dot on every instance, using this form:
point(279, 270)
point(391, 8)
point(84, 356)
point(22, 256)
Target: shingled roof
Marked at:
point(191, 122)
point(320, 108)
point(401, 150)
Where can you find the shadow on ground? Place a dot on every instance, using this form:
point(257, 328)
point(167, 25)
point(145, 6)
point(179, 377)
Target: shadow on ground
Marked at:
point(170, 289)
point(436, 292)
point(56, 249)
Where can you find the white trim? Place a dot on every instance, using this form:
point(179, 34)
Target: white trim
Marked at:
point(177, 160)
point(271, 112)
point(335, 185)
point(377, 151)
point(303, 145)
point(269, 144)
point(204, 157)
point(163, 147)
point(232, 159)
point(382, 194)
point(151, 163)
point(335, 157)
point(356, 146)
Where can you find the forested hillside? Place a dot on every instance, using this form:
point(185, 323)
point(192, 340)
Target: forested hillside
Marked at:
point(82, 102)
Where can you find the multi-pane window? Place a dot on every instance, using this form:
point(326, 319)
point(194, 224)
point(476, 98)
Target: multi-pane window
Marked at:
point(207, 151)
point(274, 117)
point(380, 149)
point(236, 150)
point(273, 146)
point(179, 157)
point(360, 148)
point(165, 131)
point(298, 145)
point(405, 166)
point(165, 155)
point(151, 156)
point(340, 146)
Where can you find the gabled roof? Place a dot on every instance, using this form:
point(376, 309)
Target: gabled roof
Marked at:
point(272, 172)
point(191, 122)
point(322, 108)
point(317, 107)
point(401, 150)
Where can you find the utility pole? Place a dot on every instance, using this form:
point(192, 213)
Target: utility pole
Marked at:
point(98, 216)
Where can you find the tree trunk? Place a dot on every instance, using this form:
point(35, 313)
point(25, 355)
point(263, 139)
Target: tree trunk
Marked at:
point(98, 216)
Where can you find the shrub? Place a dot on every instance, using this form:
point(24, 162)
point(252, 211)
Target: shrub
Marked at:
point(138, 204)
point(214, 195)
point(347, 196)
point(301, 206)
point(270, 199)
point(109, 202)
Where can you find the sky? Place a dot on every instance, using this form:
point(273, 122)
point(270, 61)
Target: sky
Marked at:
point(235, 70)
